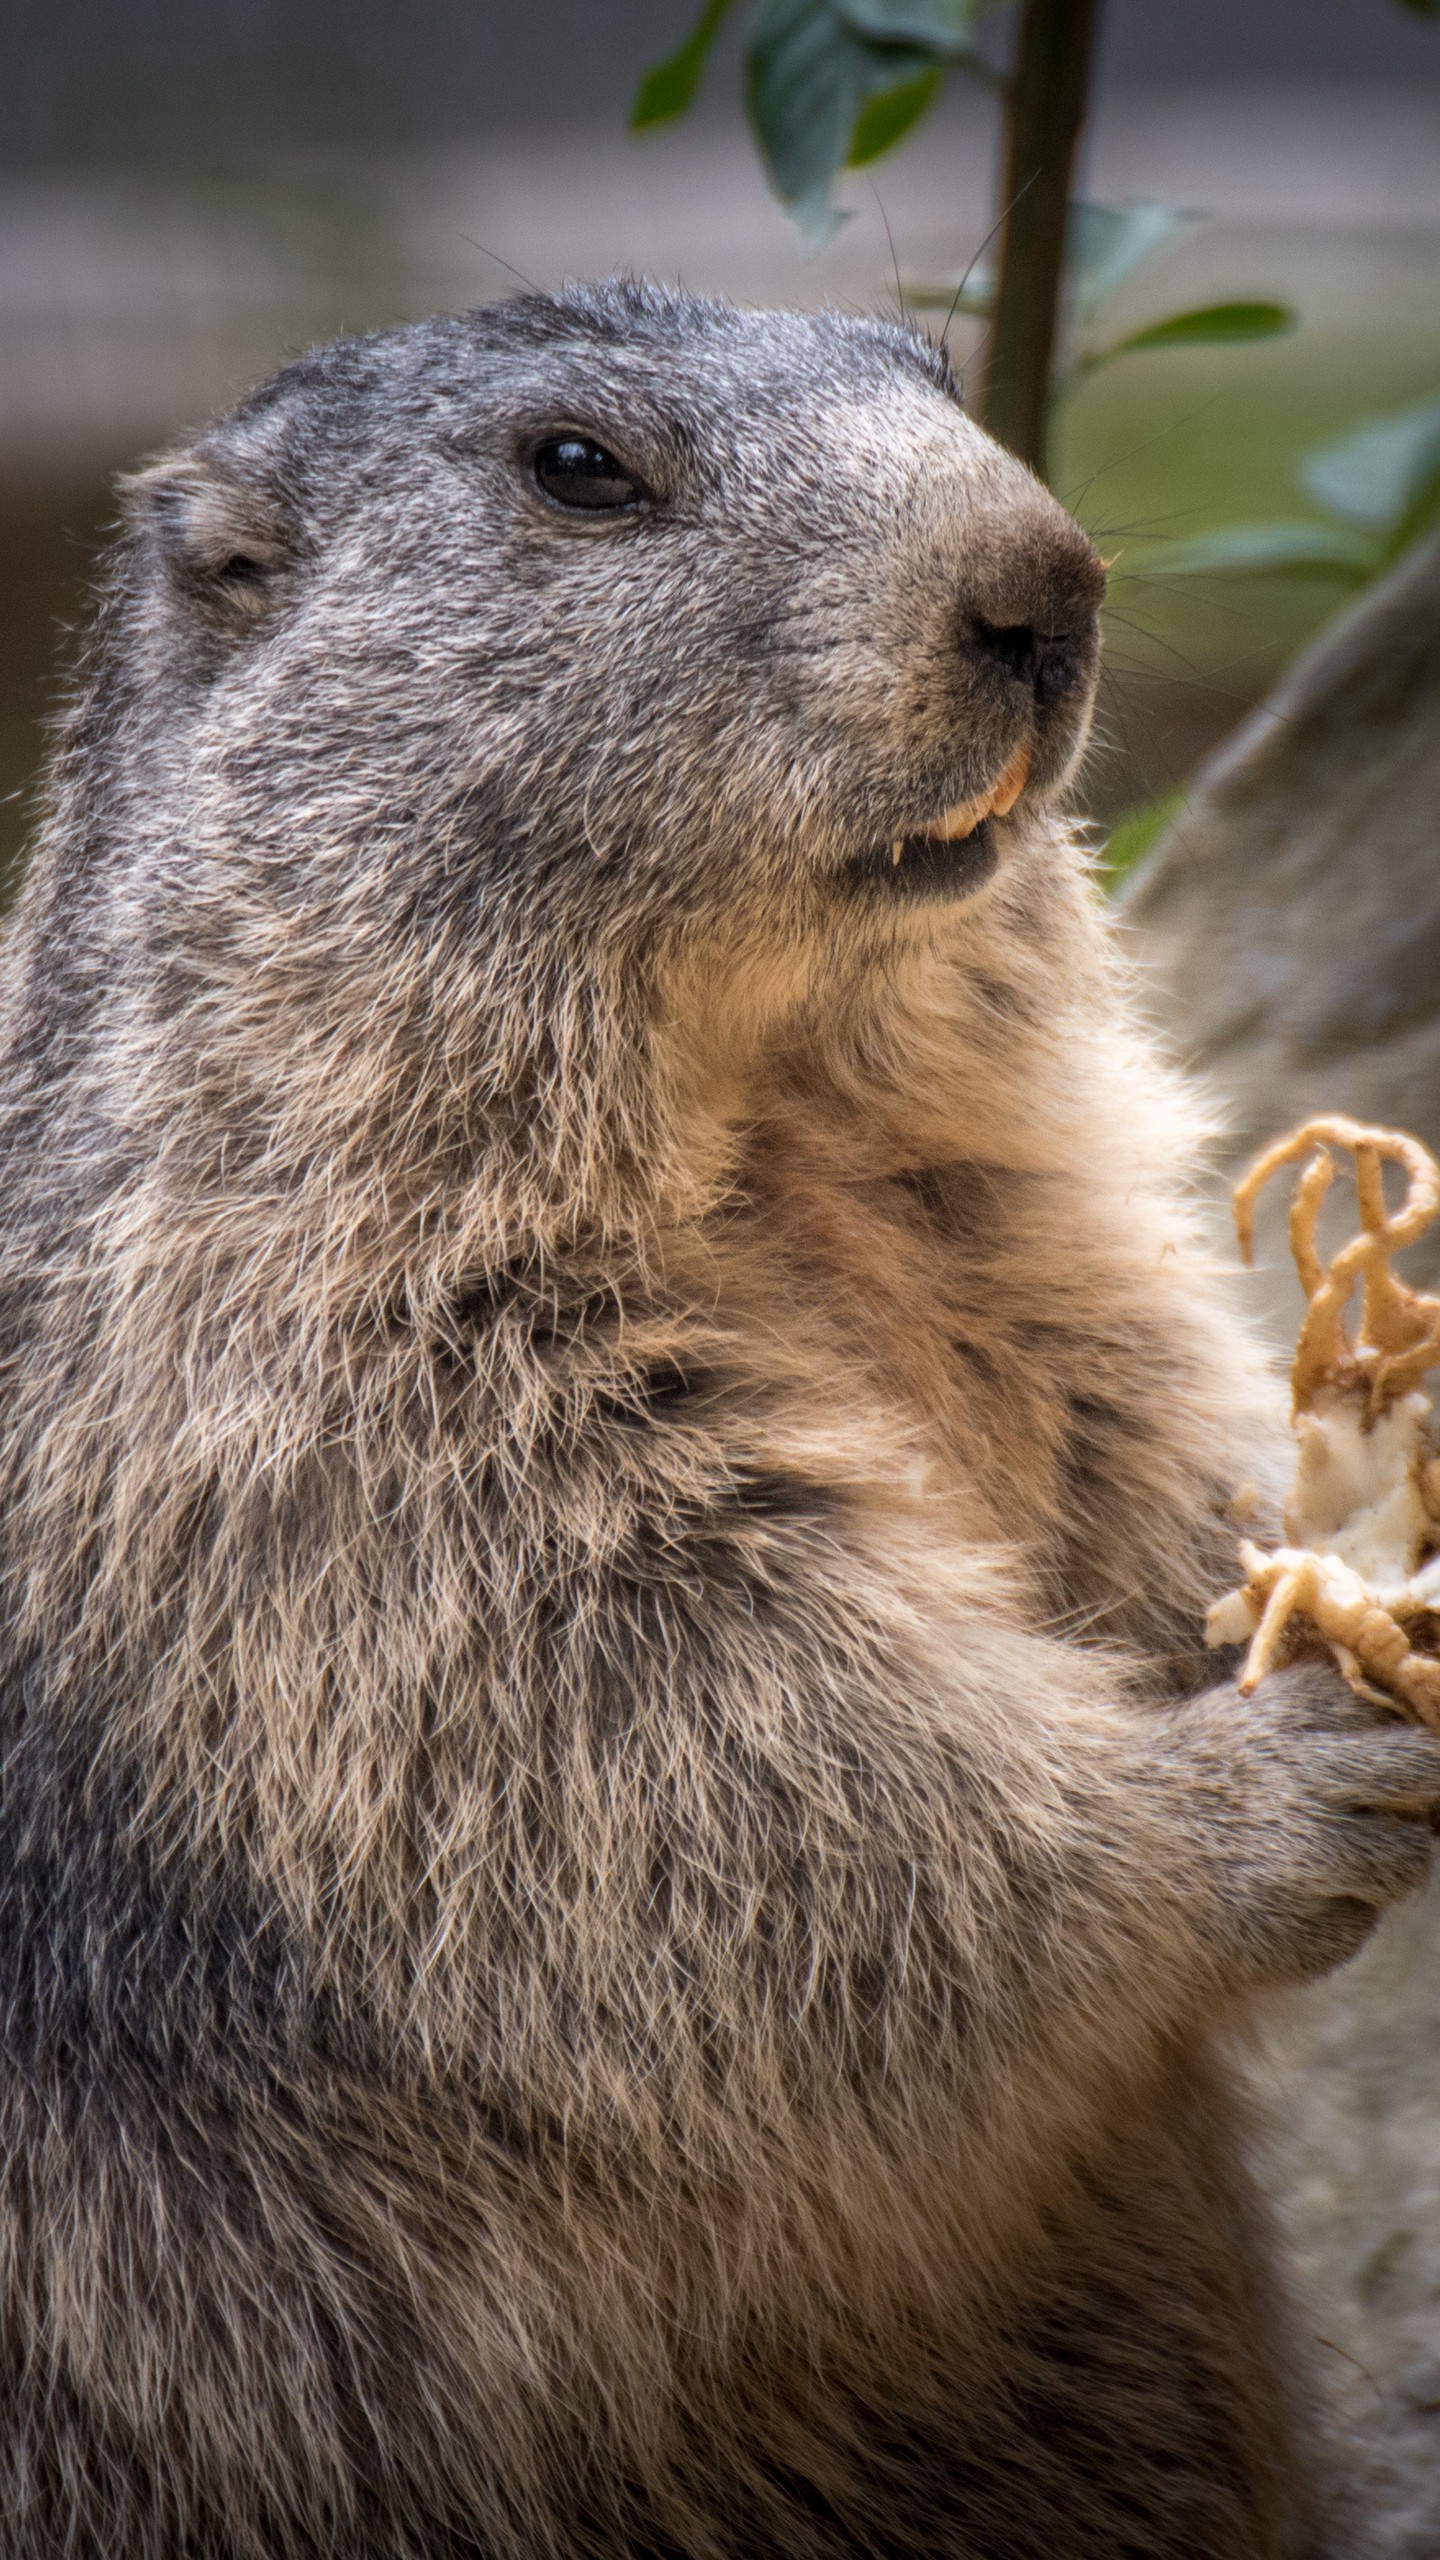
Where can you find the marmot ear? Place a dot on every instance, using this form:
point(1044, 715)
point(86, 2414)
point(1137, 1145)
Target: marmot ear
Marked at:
point(221, 536)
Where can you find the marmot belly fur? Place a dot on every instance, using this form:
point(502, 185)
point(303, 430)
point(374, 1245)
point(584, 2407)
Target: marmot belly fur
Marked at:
point(616, 1885)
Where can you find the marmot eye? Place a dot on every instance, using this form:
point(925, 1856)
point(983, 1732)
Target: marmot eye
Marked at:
point(581, 474)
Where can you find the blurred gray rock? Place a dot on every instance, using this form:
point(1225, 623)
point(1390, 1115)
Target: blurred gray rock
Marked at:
point(1289, 927)
point(1289, 920)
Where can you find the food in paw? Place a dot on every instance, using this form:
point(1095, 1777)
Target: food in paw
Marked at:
point(1359, 1573)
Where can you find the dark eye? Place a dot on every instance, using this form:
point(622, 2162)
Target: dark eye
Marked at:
point(577, 473)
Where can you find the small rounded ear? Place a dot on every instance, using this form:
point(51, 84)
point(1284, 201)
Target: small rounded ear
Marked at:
point(221, 536)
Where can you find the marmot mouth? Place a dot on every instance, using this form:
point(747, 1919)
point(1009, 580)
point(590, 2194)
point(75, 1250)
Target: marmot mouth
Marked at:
point(957, 854)
point(927, 866)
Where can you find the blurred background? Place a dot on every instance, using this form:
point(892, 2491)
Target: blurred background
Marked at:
point(190, 190)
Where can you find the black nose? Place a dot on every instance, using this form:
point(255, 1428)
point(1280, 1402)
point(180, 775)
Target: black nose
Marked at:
point(1048, 663)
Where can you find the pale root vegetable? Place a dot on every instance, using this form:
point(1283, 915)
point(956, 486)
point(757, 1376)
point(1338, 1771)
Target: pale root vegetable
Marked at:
point(1359, 1573)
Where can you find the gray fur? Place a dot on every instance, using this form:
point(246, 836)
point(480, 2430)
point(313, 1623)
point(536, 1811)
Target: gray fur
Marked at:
point(615, 1902)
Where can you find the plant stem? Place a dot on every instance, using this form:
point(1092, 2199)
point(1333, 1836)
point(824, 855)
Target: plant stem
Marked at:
point(1048, 92)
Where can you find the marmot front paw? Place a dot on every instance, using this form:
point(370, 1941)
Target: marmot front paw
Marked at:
point(1312, 1811)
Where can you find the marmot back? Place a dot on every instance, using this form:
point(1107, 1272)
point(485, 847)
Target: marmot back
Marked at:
point(612, 1896)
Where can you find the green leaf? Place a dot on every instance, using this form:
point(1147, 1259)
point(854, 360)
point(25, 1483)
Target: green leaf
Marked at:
point(1422, 8)
point(1420, 516)
point(976, 299)
point(1374, 475)
point(884, 118)
point(1105, 243)
point(807, 81)
point(670, 86)
point(1253, 549)
point(1215, 324)
point(942, 26)
point(1132, 836)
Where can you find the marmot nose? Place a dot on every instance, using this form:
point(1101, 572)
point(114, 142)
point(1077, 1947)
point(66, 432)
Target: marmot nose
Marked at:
point(1029, 603)
point(1048, 663)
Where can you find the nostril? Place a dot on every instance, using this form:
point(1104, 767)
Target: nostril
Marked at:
point(1014, 645)
point(1050, 663)
point(1057, 673)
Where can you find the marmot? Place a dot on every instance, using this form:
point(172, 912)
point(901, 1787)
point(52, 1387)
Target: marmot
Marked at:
point(619, 1871)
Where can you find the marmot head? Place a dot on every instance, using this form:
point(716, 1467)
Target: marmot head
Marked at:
point(532, 642)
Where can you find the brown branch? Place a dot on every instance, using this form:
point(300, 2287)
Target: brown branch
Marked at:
point(1047, 98)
